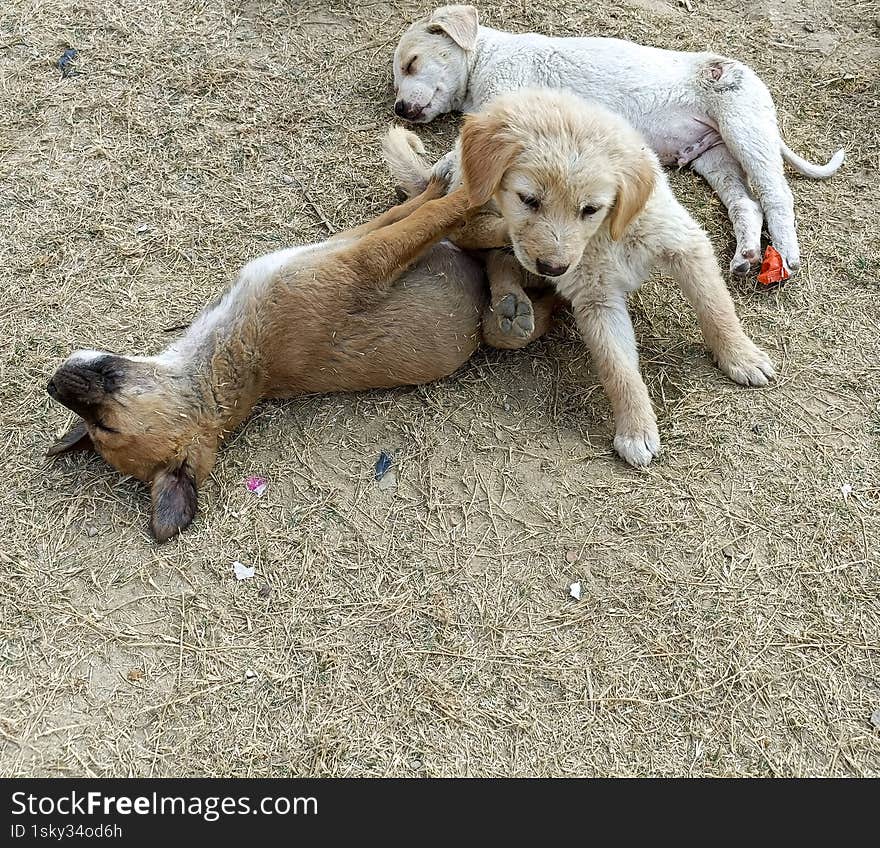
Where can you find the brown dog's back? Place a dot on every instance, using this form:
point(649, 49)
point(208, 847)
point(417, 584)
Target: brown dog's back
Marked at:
point(424, 328)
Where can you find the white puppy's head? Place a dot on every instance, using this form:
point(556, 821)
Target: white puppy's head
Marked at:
point(562, 172)
point(431, 64)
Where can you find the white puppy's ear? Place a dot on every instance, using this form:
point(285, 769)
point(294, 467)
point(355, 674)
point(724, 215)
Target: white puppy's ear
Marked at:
point(636, 184)
point(458, 22)
point(487, 151)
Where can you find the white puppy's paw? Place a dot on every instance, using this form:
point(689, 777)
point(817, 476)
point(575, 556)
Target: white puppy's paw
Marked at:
point(747, 364)
point(638, 448)
point(790, 253)
point(745, 260)
point(792, 260)
point(444, 169)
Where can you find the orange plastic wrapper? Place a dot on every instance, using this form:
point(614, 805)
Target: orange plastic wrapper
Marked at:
point(772, 268)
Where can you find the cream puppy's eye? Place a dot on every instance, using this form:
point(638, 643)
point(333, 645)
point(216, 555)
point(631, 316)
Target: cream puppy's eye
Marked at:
point(410, 65)
point(528, 200)
point(588, 211)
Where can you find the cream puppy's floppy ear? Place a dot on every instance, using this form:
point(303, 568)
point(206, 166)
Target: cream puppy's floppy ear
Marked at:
point(637, 176)
point(487, 151)
point(458, 22)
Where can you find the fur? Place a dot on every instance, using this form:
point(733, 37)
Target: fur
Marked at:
point(374, 307)
point(699, 109)
point(587, 205)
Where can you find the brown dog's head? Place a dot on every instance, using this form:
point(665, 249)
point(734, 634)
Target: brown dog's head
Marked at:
point(143, 415)
point(561, 171)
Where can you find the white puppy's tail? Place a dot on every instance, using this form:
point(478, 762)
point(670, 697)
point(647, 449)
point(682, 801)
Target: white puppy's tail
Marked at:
point(808, 169)
point(404, 154)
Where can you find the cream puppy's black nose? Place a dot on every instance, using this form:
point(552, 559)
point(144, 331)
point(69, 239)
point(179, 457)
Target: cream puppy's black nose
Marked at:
point(548, 269)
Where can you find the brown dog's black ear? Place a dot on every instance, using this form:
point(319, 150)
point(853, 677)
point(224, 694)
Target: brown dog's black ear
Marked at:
point(458, 22)
point(637, 180)
point(77, 438)
point(175, 495)
point(486, 153)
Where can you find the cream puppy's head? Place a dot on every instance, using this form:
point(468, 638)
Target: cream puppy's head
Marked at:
point(562, 172)
point(431, 63)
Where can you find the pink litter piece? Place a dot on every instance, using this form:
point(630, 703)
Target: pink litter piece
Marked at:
point(257, 485)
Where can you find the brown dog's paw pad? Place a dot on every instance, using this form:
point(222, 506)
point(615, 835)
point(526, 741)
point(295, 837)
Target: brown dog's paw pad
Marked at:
point(515, 316)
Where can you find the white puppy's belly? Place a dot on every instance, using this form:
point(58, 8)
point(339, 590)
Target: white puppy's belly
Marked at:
point(678, 137)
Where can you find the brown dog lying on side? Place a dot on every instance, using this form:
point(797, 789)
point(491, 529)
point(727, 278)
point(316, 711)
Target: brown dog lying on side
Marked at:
point(347, 314)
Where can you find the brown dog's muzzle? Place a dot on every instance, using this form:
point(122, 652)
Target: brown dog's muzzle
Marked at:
point(82, 388)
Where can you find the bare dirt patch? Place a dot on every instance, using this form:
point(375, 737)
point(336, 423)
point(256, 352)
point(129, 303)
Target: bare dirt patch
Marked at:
point(731, 594)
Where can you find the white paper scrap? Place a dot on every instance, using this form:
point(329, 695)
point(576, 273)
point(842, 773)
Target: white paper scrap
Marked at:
point(241, 571)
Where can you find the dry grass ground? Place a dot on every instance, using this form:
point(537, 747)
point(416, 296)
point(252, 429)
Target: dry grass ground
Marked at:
point(731, 594)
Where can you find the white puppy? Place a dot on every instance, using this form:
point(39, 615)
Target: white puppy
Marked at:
point(697, 109)
point(584, 202)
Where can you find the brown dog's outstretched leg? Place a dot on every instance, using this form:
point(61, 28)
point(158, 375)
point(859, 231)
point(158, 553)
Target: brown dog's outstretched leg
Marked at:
point(435, 188)
point(379, 257)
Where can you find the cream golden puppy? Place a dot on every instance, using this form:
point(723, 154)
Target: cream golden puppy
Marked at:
point(583, 202)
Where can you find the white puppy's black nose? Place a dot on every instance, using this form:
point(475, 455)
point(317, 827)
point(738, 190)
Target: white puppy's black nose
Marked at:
point(548, 269)
point(407, 111)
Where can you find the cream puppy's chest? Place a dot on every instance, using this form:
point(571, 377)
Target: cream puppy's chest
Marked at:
point(607, 268)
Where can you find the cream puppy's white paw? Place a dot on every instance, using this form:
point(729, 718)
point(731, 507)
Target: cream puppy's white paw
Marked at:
point(638, 448)
point(747, 364)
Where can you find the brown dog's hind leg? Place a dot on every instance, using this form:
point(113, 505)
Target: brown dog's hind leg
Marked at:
point(543, 309)
point(509, 319)
point(378, 258)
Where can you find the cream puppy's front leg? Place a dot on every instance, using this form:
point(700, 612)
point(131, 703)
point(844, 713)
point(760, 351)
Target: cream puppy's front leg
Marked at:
point(696, 272)
point(607, 331)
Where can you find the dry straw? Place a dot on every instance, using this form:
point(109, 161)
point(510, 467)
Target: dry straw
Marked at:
point(730, 606)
